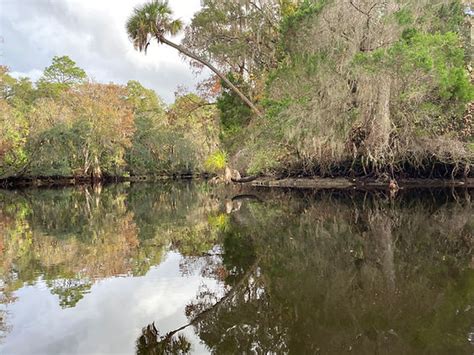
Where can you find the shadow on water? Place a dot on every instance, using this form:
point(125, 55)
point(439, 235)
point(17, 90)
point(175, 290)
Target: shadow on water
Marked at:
point(297, 272)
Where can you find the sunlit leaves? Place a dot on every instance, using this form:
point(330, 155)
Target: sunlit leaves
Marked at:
point(85, 131)
point(13, 132)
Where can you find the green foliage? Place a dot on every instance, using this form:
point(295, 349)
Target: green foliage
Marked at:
point(438, 55)
point(143, 100)
point(305, 10)
point(322, 100)
point(62, 74)
point(54, 152)
point(198, 123)
point(69, 127)
point(220, 222)
point(18, 92)
point(449, 17)
point(216, 162)
point(404, 17)
point(273, 108)
point(324, 95)
point(13, 133)
point(234, 114)
point(264, 161)
point(237, 36)
point(64, 70)
point(293, 22)
point(152, 19)
point(158, 150)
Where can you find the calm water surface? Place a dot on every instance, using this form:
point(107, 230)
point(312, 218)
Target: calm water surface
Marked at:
point(187, 268)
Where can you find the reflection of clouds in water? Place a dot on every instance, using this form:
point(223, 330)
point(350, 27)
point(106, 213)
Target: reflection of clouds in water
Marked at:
point(109, 319)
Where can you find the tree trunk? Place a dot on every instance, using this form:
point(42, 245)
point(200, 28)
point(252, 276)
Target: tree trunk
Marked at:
point(245, 179)
point(381, 126)
point(217, 72)
point(96, 171)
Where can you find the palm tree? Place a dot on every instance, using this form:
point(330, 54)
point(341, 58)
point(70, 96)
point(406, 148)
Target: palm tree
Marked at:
point(153, 20)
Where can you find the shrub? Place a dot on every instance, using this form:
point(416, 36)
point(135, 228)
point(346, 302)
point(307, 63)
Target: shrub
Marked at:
point(216, 162)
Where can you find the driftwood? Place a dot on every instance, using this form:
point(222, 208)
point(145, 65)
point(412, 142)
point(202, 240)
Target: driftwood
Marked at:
point(349, 183)
point(245, 179)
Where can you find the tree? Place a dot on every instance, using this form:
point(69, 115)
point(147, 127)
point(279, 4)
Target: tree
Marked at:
point(51, 144)
point(62, 74)
point(18, 92)
point(240, 36)
point(104, 121)
point(143, 100)
point(83, 132)
point(234, 115)
point(64, 70)
point(13, 132)
point(198, 120)
point(157, 149)
point(382, 88)
point(153, 21)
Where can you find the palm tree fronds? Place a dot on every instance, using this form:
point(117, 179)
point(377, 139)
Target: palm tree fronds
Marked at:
point(175, 27)
point(153, 19)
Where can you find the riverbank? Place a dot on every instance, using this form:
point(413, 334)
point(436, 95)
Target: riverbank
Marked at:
point(51, 181)
point(267, 182)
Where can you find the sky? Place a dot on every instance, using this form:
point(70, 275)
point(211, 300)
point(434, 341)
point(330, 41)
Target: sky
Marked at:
point(92, 33)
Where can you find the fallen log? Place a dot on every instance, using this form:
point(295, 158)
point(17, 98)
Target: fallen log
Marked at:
point(244, 179)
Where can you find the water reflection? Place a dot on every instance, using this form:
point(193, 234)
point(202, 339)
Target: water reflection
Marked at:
point(278, 272)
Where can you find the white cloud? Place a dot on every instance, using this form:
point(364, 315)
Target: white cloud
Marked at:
point(92, 33)
point(33, 74)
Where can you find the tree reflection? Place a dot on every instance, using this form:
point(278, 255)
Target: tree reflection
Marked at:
point(72, 237)
point(69, 291)
point(321, 272)
point(332, 273)
point(151, 343)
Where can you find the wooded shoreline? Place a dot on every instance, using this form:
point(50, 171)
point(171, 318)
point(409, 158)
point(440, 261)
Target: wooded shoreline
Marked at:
point(377, 100)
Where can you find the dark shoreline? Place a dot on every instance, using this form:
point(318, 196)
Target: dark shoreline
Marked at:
point(58, 181)
point(340, 183)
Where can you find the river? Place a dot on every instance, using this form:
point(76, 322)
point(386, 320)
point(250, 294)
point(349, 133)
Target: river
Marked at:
point(190, 268)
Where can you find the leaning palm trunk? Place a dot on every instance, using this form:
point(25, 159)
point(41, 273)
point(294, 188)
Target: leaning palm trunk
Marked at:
point(217, 72)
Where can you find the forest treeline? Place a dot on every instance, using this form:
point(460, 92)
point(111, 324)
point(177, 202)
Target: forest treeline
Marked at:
point(336, 87)
point(65, 125)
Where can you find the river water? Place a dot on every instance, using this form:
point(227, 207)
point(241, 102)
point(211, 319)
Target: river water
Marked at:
point(189, 268)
